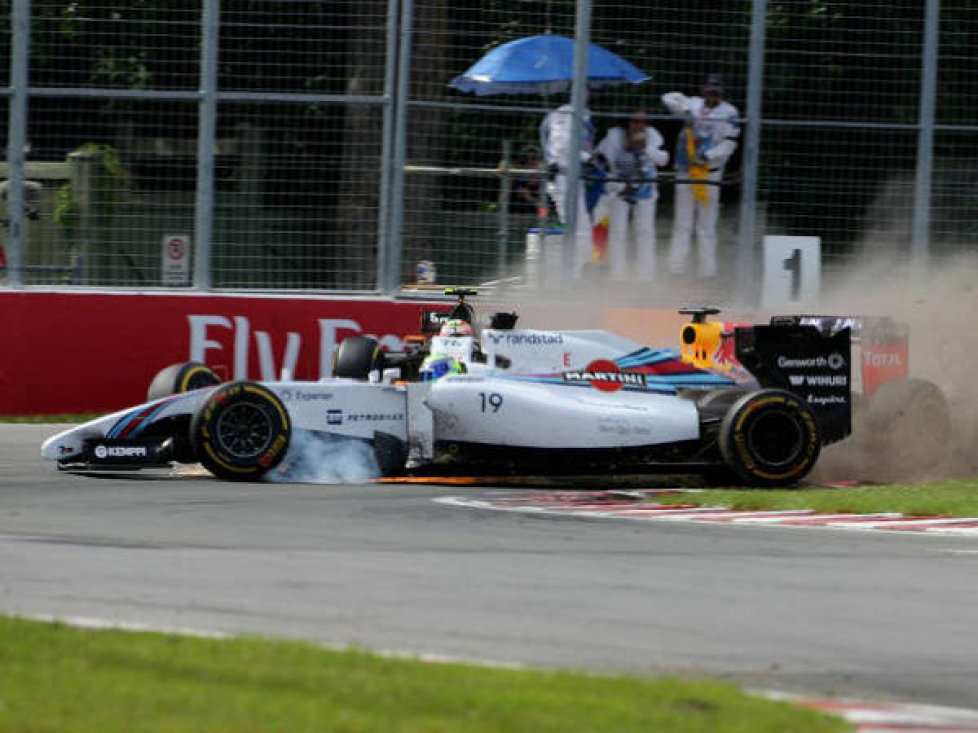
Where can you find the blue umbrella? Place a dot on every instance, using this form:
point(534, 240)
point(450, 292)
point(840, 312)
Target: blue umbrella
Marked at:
point(545, 65)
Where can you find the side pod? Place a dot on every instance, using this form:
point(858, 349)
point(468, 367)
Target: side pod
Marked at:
point(801, 359)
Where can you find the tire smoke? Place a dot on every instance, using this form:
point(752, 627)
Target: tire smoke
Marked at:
point(321, 458)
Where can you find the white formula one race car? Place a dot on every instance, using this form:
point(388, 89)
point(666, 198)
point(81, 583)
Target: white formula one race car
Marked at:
point(753, 406)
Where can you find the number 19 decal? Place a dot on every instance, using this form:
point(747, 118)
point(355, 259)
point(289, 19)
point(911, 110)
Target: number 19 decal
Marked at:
point(491, 402)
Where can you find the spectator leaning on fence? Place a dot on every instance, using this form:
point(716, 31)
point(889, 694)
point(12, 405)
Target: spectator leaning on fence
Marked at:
point(558, 151)
point(708, 139)
point(631, 151)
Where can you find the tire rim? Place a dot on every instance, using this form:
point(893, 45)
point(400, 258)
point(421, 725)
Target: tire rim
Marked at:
point(244, 430)
point(775, 437)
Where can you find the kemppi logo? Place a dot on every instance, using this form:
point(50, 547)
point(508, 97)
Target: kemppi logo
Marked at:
point(120, 451)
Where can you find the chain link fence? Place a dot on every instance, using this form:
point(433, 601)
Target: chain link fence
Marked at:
point(319, 146)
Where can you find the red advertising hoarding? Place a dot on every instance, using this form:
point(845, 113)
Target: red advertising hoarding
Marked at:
point(95, 352)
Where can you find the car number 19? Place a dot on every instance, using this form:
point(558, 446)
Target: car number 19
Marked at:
point(491, 402)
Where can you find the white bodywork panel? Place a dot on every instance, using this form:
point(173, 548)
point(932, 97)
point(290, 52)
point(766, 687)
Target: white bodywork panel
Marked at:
point(345, 407)
point(501, 411)
point(553, 351)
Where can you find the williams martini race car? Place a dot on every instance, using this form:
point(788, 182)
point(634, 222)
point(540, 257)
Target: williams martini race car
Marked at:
point(753, 405)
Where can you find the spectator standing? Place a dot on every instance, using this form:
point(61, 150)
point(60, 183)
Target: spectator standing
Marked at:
point(527, 187)
point(558, 151)
point(708, 139)
point(632, 151)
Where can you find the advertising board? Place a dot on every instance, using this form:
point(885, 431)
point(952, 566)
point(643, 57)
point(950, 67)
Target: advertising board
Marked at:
point(94, 352)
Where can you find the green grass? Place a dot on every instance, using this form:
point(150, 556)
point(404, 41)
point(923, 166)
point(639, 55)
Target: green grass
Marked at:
point(947, 498)
point(58, 678)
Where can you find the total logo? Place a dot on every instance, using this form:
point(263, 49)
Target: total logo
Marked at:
point(604, 375)
point(120, 451)
point(882, 359)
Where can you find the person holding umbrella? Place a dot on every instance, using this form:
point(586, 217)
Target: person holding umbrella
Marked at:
point(544, 64)
point(632, 150)
point(708, 139)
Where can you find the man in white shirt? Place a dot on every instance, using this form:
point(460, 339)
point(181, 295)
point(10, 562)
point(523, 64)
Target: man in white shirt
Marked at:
point(632, 151)
point(708, 139)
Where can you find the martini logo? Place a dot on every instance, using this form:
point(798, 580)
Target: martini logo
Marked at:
point(605, 375)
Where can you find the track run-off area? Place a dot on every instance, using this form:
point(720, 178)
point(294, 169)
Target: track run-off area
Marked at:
point(410, 568)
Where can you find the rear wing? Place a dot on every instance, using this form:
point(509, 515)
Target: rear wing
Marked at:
point(812, 362)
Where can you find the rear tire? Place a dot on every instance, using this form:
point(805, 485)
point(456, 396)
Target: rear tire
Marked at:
point(357, 356)
point(182, 377)
point(770, 438)
point(241, 432)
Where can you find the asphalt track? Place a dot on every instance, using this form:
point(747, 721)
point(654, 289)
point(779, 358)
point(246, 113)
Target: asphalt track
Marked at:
point(385, 567)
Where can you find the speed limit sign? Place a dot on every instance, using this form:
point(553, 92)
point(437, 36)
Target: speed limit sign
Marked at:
point(176, 259)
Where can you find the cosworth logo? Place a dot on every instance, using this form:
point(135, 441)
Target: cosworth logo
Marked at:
point(605, 375)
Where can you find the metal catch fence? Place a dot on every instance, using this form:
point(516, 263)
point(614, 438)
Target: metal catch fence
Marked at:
point(301, 145)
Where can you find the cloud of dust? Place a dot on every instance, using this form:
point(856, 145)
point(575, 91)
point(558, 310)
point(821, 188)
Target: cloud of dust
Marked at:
point(936, 304)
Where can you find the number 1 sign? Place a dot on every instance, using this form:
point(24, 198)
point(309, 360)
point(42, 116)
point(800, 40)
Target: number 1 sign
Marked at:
point(792, 271)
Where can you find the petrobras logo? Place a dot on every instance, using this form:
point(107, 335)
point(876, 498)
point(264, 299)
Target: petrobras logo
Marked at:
point(533, 338)
point(604, 375)
point(120, 451)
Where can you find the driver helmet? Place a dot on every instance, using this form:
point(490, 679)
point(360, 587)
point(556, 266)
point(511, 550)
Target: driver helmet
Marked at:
point(437, 366)
point(455, 327)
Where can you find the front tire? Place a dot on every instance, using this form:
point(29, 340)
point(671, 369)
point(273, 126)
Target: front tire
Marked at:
point(357, 356)
point(770, 438)
point(181, 377)
point(241, 432)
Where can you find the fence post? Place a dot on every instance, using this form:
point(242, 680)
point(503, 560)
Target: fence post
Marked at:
point(387, 145)
point(396, 234)
point(746, 275)
point(20, 28)
point(920, 244)
point(207, 124)
point(582, 42)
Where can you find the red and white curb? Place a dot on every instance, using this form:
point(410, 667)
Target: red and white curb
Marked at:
point(885, 717)
point(637, 505)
